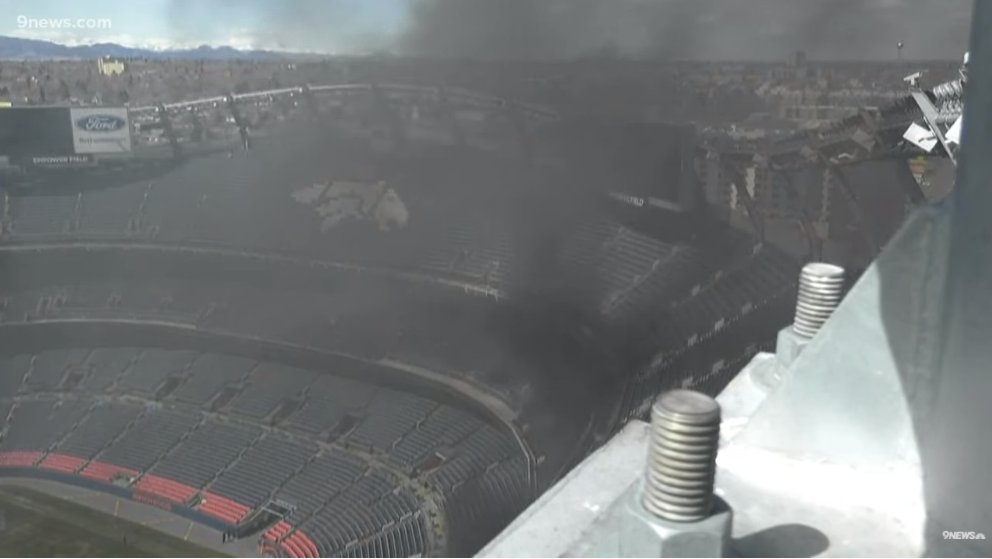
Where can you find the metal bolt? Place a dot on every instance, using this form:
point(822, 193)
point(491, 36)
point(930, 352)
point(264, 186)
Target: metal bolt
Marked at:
point(820, 287)
point(685, 433)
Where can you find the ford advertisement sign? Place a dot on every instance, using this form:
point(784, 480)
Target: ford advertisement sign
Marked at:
point(100, 130)
point(101, 123)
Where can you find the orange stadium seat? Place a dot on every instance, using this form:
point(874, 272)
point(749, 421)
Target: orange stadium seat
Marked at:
point(62, 463)
point(105, 472)
point(165, 488)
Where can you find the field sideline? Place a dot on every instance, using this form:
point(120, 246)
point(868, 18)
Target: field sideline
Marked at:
point(35, 524)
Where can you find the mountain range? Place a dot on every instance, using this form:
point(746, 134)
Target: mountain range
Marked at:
point(17, 48)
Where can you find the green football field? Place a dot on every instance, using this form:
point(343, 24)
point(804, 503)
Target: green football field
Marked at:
point(33, 524)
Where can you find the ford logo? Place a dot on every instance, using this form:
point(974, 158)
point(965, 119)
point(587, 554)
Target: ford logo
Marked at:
point(100, 123)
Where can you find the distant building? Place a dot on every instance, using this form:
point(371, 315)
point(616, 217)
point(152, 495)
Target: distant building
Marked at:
point(110, 67)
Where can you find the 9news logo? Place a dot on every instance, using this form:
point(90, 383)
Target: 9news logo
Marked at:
point(963, 535)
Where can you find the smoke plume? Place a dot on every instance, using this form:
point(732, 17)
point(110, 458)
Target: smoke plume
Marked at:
point(555, 29)
point(687, 29)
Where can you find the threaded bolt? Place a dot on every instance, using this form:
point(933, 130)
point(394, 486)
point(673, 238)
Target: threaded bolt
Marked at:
point(685, 432)
point(820, 287)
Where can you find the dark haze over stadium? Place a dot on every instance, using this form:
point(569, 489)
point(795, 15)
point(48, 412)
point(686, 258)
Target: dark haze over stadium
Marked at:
point(673, 29)
point(377, 253)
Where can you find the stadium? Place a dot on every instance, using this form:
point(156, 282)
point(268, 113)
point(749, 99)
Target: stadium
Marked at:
point(364, 319)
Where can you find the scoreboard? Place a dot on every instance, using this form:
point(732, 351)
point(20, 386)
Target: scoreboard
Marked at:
point(650, 164)
point(63, 136)
point(27, 132)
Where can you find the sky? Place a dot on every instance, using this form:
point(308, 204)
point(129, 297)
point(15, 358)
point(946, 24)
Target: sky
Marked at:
point(182, 23)
point(715, 29)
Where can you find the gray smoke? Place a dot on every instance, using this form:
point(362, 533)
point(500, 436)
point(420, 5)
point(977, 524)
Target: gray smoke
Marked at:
point(688, 29)
point(550, 29)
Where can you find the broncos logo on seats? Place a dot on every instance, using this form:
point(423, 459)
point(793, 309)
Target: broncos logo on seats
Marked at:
point(336, 201)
